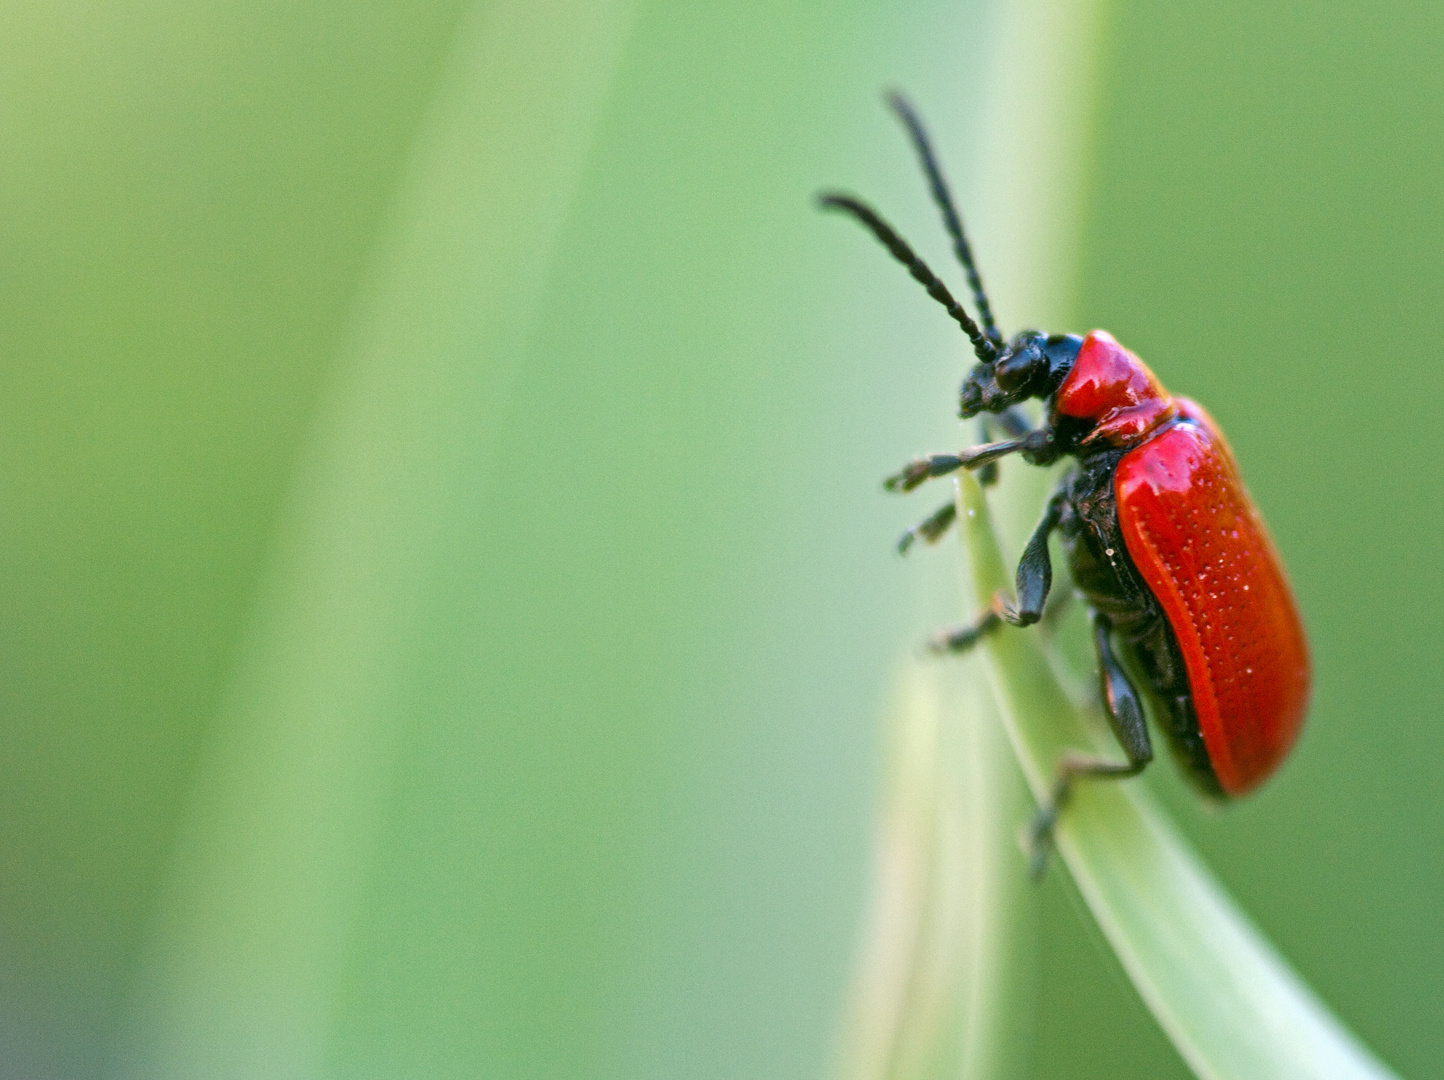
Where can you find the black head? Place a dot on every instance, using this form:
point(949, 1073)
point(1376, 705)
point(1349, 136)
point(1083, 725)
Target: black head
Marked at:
point(1032, 365)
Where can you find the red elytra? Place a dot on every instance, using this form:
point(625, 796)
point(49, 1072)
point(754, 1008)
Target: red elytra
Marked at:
point(1198, 542)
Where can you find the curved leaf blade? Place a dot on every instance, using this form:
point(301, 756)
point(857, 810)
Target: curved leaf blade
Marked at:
point(1232, 1006)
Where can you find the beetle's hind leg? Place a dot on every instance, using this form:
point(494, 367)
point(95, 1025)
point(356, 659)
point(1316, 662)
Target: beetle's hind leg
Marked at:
point(1125, 717)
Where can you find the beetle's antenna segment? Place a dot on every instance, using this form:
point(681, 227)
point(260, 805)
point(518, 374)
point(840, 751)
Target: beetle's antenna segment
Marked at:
point(951, 221)
point(984, 348)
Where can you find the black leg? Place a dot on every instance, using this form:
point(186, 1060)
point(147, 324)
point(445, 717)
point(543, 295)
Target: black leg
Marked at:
point(1125, 717)
point(931, 529)
point(1035, 568)
point(959, 639)
point(1036, 447)
point(1011, 423)
point(1125, 711)
point(1035, 577)
point(987, 474)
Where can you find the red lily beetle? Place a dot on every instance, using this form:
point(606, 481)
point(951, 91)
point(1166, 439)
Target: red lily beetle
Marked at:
point(1162, 539)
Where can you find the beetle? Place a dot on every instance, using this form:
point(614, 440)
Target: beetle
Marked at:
point(1190, 604)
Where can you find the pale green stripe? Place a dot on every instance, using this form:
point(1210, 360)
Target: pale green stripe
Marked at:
point(241, 968)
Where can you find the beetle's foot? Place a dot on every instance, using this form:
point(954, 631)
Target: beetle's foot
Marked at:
point(975, 457)
point(920, 469)
point(1041, 840)
point(1007, 612)
point(908, 477)
point(959, 639)
point(1038, 843)
point(931, 530)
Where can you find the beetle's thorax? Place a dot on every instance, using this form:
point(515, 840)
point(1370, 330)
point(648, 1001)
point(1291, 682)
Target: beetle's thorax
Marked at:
point(1113, 392)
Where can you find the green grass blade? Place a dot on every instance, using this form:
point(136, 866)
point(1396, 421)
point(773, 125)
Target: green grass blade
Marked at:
point(1232, 1006)
point(941, 986)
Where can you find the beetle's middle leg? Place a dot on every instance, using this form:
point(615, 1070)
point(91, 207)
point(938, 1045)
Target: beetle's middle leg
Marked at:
point(1125, 717)
point(1034, 579)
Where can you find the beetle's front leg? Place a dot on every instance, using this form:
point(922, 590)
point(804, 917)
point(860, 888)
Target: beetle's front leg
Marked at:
point(1013, 423)
point(1125, 717)
point(1036, 447)
point(931, 529)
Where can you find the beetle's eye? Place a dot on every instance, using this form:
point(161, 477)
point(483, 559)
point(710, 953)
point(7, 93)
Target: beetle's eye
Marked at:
point(1013, 371)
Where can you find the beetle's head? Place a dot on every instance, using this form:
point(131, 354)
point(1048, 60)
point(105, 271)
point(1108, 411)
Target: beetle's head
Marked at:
point(1032, 365)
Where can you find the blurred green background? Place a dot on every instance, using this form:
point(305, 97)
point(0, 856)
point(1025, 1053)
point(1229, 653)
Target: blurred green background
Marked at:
point(447, 597)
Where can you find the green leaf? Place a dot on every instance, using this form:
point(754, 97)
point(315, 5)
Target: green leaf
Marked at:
point(1232, 1006)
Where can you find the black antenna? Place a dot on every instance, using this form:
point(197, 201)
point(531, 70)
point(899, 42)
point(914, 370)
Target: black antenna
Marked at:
point(951, 221)
point(984, 348)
